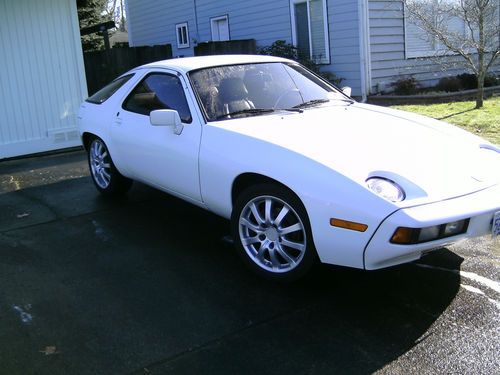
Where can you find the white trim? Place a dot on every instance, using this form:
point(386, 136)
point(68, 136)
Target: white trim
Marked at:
point(182, 43)
point(364, 49)
point(326, 60)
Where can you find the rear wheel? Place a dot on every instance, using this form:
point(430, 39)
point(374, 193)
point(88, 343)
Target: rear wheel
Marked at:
point(106, 177)
point(272, 232)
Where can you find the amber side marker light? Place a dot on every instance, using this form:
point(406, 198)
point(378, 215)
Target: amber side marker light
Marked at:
point(351, 225)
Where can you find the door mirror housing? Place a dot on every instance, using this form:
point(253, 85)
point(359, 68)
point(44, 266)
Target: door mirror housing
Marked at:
point(166, 117)
point(347, 90)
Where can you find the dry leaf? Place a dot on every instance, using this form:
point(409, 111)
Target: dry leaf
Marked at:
point(49, 350)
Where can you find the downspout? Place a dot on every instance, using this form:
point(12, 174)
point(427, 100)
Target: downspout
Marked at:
point(364, 49)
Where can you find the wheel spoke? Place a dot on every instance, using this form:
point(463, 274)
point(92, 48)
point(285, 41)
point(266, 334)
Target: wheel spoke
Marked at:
point(105, 175)
point(293, 245)
point(250, 226)
point(256, 214)
point(274, 259)
point(106, 165)
point(260, 254)
point(292, 228)
point(267, 210)
point(284, 211)
point(285, 256)
point(249, 240)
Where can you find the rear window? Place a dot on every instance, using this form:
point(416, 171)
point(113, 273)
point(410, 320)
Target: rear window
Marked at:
point(105, 93)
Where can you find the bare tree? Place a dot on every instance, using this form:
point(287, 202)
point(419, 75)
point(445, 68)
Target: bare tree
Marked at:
point(115, 10)
point(478, 42)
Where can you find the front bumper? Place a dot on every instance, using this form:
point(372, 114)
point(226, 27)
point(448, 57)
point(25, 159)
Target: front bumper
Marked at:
point(479, 207)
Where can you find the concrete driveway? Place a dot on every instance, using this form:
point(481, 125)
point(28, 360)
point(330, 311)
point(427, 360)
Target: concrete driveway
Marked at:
point(145, 285)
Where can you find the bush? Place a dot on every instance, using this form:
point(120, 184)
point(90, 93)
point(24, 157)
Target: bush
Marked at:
point(491, 80)
point(449, 84)
point(469, 81)
point(281, 48)
point(406, 86)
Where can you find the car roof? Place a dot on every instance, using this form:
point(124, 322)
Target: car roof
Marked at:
point(187, 64)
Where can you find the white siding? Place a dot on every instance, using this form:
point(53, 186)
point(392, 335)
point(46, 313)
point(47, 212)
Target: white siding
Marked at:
point(343, 24)
point(387, 43)
point(42, 80)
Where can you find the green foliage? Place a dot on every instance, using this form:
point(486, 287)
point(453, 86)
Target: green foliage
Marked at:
point(450, 84)
point(406, 86)
point(90, 13)
point(280, 48)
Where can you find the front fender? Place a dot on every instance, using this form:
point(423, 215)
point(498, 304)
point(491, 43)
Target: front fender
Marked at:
point(325, 193)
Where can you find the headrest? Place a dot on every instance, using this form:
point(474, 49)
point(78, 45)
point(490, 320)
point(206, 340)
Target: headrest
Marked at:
point(232, 89)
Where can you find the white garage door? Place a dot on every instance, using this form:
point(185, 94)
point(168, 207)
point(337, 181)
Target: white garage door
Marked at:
point(42, 78)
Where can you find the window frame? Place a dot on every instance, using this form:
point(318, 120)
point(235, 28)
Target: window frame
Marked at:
point(123, 80)
point(179, 28)
point(155, 72)
point(213, 20)
point(326, 31)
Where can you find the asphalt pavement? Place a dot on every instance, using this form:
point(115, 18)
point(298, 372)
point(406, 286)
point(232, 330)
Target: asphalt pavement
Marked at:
point(145, 285)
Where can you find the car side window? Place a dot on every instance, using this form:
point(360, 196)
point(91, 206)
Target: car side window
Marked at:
point(158, 91)
point(105, 93)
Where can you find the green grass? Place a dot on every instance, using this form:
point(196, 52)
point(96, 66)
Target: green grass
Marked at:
point(484, 122)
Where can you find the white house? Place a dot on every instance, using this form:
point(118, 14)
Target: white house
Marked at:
point(369, 43)
point(42, 76)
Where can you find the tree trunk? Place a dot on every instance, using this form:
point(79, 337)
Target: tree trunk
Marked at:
point(480, 91)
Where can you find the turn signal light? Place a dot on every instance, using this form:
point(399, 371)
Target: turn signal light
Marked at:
point(412, 236)
point(351, 225)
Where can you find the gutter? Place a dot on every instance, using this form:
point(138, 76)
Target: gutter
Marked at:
point(364, 49)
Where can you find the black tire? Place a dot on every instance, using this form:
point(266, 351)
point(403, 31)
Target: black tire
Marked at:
point(272, 249)
point(105, 176)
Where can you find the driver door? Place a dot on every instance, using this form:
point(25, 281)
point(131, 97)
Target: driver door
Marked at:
point(156, 155)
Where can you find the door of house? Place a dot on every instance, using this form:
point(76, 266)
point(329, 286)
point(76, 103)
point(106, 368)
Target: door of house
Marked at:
point(220, 29)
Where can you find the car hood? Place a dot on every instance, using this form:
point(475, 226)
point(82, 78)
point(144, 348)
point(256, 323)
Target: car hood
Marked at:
point(430, 159)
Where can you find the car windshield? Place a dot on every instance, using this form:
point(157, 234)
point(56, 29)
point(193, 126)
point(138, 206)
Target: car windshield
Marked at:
point(233, 91)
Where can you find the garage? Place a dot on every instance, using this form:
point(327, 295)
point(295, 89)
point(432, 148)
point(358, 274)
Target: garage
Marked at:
point(42, 76)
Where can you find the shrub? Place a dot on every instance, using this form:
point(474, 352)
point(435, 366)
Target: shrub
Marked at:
point(406, 86)
point(469, 81)
point(491, 80)
point(281, 48)
point(449, 84)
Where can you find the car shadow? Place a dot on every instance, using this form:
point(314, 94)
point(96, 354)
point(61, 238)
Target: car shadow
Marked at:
point(146, 282)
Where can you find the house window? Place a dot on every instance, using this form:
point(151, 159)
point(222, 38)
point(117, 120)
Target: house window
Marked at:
point(310, 29)
point(220, 28)
point(182, 35)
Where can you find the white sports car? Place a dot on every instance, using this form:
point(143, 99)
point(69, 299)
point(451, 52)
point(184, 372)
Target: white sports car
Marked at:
point(302, 171)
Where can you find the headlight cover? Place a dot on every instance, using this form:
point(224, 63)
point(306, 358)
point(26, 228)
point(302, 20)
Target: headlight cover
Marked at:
point(386, 188)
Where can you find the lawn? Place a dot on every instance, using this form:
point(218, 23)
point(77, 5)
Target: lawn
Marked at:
point(484, 122)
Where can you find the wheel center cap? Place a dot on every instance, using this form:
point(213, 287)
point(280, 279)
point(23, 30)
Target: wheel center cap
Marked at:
point(272, 234)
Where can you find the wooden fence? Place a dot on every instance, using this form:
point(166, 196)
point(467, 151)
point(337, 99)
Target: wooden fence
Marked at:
point(243, 46)
point(101, 67)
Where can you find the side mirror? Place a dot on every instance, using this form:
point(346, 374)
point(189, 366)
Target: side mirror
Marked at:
point(347, 90)
point(166, 117)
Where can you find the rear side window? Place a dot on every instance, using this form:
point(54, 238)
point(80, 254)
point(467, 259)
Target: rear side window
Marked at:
point(158, 91)
point(105, 93)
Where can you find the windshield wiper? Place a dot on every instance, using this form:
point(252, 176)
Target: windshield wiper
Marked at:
point(251, 111)
point(311, 103)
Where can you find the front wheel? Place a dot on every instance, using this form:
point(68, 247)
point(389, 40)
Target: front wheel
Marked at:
point(106, 177)
point(272, 233)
